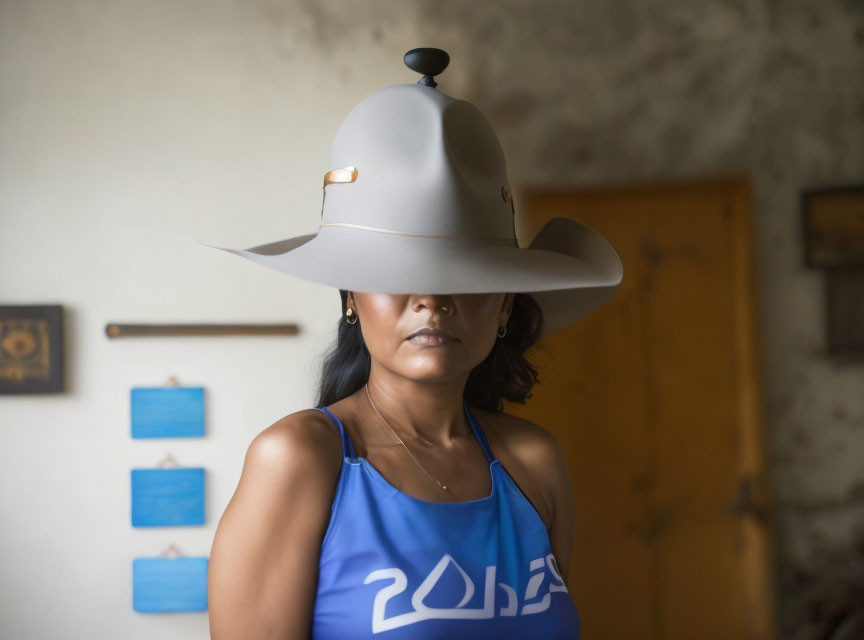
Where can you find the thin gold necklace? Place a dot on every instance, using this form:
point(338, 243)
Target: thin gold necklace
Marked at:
point(443, 486)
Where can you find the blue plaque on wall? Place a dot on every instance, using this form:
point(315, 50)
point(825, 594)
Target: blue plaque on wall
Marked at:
point(167, 497)
point(169, 584)
point(167, 412)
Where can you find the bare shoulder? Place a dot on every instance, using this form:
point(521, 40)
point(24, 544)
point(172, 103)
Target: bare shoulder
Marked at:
point(536, 461)
point(263, 564)
point(531, 442)
point(295, 462)
point(302, 446)
point(307, 435)
point(533, 456)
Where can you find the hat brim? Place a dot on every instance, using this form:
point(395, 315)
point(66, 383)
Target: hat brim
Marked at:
point(568, 268)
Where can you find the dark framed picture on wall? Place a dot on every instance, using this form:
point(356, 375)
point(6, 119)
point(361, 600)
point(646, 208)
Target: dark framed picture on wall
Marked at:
point(31, 349)
point(834, 242)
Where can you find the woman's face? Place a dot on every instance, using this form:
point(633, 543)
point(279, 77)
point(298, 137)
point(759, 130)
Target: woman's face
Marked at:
point(387, 320)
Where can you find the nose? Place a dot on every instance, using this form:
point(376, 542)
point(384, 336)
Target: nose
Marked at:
point(436, 303)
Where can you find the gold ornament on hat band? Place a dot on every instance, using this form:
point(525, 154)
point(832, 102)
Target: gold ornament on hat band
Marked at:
point(346, 174)
point(349, 174)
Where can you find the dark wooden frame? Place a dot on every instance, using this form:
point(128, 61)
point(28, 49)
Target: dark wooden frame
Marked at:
point(838, 249)
point(24, 373)
point(816, 256)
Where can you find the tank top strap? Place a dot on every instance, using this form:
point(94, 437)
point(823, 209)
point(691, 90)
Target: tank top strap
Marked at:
point(347, 445)
point(478, 431)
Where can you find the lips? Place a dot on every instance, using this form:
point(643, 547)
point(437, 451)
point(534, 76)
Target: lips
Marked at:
point(428, 335)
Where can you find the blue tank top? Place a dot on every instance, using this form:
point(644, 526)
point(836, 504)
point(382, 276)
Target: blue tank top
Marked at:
point(396, 566)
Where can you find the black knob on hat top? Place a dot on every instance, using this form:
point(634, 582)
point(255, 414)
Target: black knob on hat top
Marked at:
point(428, 61)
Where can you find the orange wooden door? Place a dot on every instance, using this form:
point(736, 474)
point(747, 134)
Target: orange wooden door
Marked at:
point(655, 398)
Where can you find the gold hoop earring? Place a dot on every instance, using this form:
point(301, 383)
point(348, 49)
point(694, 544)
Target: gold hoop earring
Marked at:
point(501, 335)
point(350, 316)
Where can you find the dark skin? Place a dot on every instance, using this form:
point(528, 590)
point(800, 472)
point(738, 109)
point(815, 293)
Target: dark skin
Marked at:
point(262, 576)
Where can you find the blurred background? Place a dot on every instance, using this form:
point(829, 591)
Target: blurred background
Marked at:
point(712, 413)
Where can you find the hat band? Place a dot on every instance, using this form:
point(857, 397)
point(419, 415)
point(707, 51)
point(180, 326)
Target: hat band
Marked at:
point(495, 239)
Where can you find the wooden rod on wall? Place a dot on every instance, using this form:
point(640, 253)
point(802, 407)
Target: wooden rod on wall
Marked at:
point(116, 330)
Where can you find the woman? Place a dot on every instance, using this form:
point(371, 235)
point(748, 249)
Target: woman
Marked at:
point(406, 504)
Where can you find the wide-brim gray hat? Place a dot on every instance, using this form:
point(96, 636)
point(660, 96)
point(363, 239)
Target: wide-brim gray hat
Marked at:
point(417, 200)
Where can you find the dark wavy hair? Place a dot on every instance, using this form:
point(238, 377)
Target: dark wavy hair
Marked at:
point(505, 374)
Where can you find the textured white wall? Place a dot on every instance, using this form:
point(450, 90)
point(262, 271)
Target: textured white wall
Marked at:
point(124, 125)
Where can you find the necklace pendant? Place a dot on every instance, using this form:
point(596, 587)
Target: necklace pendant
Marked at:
point(444, 487)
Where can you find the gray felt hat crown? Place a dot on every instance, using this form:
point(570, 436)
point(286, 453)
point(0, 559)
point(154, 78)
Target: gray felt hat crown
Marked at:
point(417, 200)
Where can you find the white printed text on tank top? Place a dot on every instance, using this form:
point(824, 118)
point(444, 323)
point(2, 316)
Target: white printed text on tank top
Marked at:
point(530, 602)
